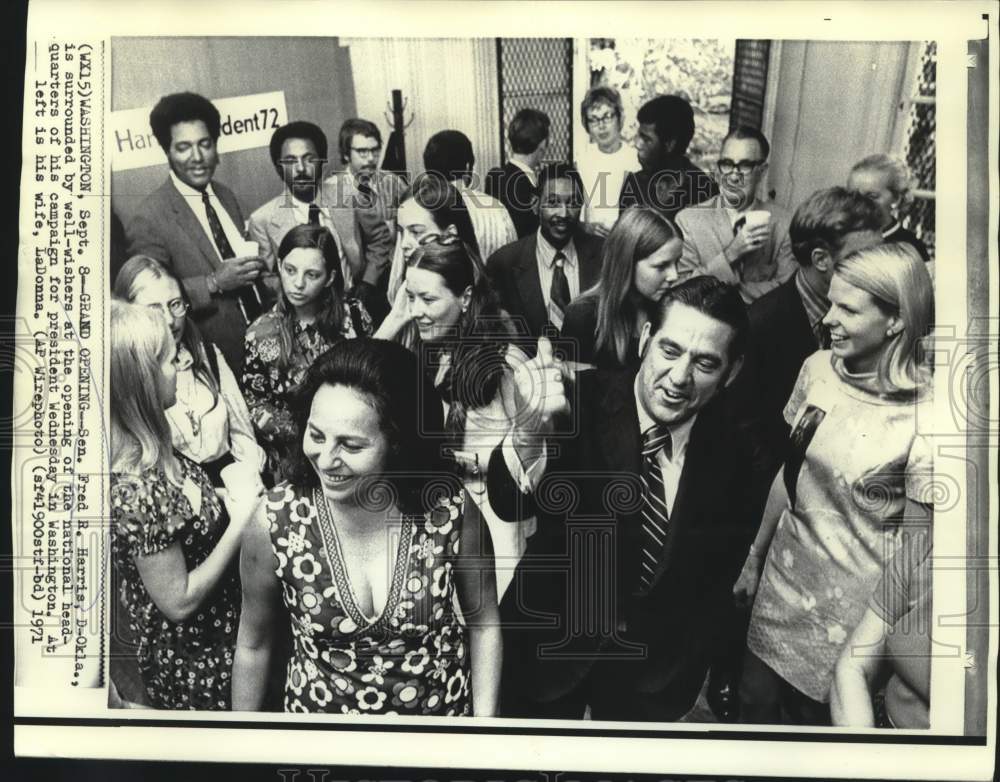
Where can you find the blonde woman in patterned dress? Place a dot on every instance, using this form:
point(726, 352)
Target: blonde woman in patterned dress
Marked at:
point(367, 546)
point(173, 543)
point(857, 475)
point(310, 316)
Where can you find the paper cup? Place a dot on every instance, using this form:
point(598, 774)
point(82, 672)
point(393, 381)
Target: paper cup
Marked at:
point(242, 482)
point(757, 217)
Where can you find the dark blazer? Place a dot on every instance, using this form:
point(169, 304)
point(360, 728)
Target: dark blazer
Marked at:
point(781, 339)
point(512, 187)
point(901, 234)
point(590, 495)
point(514, 272)
point(678, 185)
point(579, 337)
point(165, 228)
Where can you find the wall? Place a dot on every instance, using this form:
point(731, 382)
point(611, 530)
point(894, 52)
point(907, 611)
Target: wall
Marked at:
point(835, 103)
point(315, 74)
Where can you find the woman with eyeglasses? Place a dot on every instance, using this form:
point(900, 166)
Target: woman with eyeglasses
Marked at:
point(370, 549)
point(638, 266)
point(311, 315)
point(454, 323)
point(606, 159)
point(857, 477)
point(173, 542)
point(209, 422)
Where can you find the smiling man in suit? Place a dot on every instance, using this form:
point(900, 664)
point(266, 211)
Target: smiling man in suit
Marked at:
point(735, 235)
point(538, 276)
point(644, 512)
point(194, 225)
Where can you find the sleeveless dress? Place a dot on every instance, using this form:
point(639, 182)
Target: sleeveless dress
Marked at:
point(412, 658)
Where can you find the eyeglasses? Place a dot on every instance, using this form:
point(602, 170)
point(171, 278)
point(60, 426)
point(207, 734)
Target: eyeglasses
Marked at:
point(176, 307)
point(600, 119)
point(366, 151)
point(727, 166)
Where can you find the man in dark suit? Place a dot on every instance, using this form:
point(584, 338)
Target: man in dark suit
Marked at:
point(645, 513)
point(786, 323)
point(538, 276)
point(195, 226)
point(516, 184)
point(668, 180)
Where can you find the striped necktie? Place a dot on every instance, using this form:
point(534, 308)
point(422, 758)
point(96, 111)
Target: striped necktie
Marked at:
point(218, 235)
point(655, 516)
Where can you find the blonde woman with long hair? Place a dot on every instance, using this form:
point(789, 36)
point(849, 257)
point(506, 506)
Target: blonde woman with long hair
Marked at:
point(856, 474)
point(174, 543)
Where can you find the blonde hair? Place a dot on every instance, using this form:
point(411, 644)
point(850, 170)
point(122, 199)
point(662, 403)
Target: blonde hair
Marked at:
point(899, 174)
point(897, 278)
point(140, 434)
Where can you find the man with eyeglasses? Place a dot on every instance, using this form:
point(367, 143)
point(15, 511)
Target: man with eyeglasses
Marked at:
point(364, 187)
point(735, 235)
point(298, 152)
point(668, 181)
point(606, 160)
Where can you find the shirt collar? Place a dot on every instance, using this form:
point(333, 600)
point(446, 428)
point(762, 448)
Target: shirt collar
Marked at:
point(301, 208)
point(815, 303)
point(891, 230)
point(680, 433)
point(547, 253)
point(187, 191)
point(527, 170)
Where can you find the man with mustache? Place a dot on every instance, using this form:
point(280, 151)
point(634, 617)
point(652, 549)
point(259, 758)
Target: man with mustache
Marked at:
point(645, 510)
point(364, 188)
point(194, 225)
point(539, 275)
point(298, 152)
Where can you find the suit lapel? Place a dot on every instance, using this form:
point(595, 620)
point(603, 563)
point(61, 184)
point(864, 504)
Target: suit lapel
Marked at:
point(189, 225)
point(529, 284)
point(721, 225)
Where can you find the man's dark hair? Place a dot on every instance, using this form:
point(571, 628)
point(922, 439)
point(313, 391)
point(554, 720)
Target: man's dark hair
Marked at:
point(356, 127)
point(561, 171)
point(673, 118)
point(528, 129)
point(744, 132)
point(449, 153)
point(408, 408)
point(182, 107)
point(826, 217)
point(714, 298)
point(298, 129)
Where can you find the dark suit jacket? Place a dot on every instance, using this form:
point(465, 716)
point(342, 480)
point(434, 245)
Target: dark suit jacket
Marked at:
point(514, 272)
point(512, 187)
point(678, 185)
point(166, 228)
point(781, 339)
point(908, 237)
point(591, 495)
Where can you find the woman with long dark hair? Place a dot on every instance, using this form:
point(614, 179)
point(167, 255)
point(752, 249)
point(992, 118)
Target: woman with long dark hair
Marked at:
point(638, 266)
point(365, 546)
point(311, 315)
point(209, 422)
point(173, 541)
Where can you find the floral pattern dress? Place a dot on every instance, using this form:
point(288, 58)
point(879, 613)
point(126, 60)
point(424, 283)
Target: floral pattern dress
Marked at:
point(184, 665)
point(268, 388)
point(412, 658)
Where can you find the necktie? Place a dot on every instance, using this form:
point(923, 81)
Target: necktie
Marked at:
point(655, 516)
point(559, 290)
point(738, 225)
point(313, 214)
point(366, 195)
point(218, 235)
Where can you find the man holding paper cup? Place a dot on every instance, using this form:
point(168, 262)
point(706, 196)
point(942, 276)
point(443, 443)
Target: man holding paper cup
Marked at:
point(735, 236)
point(195, 226)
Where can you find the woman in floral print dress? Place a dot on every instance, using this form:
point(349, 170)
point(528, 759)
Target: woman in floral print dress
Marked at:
point(174, 544)
point(310, 316)
point(364, 546)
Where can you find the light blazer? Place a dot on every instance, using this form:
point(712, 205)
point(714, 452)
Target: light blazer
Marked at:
point(166, 228)
point(707, 231)
point(514, 272)
point(592, 484)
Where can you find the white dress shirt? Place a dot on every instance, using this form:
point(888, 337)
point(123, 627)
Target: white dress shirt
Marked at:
point(545, 254)
point(193, 198)
point(671, 468)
